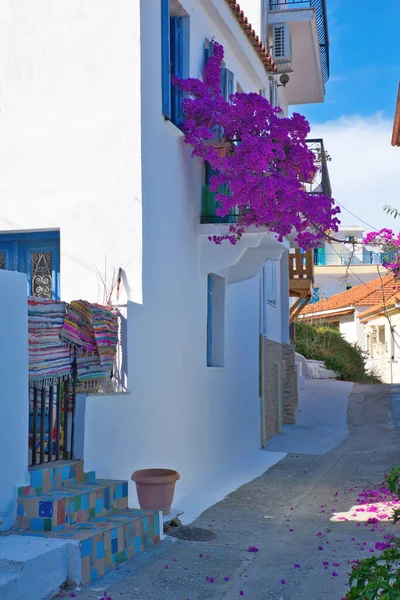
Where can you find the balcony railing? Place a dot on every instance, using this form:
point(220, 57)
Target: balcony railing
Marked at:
point(322, 25)
point(321, 259)
point(321, 183)
point(209, 207)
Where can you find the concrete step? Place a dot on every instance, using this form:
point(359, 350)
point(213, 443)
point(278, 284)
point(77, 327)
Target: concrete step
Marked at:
point(106, 542)
point(55, 475)
point(74, 504)
point(33, 568)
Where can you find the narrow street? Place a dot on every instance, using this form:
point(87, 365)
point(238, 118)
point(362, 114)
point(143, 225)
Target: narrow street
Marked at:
point(303, 551)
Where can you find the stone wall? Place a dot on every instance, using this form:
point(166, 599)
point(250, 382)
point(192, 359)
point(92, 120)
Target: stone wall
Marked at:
point(290, 387)
point(280, 386)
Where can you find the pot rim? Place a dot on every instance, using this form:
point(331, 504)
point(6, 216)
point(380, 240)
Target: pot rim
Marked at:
point(155, 476)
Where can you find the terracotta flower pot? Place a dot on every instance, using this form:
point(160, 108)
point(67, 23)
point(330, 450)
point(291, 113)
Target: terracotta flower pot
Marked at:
point(155, 488)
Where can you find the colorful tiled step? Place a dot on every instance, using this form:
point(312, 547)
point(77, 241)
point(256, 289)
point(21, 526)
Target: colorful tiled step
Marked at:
point(106, 542)
point(54, 510)
point(50, 476)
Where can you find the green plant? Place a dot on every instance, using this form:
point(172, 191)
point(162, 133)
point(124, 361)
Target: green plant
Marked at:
point(324, 342)
point(378, 577)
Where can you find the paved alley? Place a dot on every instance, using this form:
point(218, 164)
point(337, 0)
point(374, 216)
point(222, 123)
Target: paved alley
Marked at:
point(303, 547)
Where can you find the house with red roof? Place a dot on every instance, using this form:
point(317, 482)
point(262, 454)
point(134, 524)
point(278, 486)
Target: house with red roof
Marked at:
point(348, 310)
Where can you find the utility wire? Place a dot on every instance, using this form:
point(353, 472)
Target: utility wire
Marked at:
point(354, 215)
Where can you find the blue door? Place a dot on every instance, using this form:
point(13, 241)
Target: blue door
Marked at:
point(38, 255)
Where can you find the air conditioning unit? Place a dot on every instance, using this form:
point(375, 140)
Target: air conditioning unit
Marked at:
point(281, 44)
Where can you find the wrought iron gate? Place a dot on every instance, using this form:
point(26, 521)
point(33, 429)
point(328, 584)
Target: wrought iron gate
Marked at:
point(52, 421)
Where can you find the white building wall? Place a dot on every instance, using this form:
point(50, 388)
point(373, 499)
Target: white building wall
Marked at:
point(14, 398)
point(333, 280)
point(380, 354)
point(70, 134)
point(81, 152)
point(348, 328)
point(180, 413)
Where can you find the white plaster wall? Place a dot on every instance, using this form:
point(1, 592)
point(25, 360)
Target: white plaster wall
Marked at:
point(348, 328)
point(181, 414)
point(333, 283)
point(70, 134)
point(381, 362)
point(14, 398)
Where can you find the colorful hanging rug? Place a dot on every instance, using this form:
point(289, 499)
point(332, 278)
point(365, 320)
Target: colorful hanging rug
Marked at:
point(91, 331)
point(49, 359)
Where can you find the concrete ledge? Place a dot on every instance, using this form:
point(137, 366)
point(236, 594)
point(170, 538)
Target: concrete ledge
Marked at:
point(32, 567)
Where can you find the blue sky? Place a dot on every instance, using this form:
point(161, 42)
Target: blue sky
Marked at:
point(356, 119)
point(364, 60)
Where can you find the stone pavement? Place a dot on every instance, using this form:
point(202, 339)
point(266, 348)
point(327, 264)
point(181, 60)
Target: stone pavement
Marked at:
point(281, 513)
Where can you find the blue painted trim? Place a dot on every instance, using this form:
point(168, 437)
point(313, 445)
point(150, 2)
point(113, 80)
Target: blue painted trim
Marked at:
point(18, 248)
point(209, 321)
point(31, 235)
point(166, 58)
point(176, 68)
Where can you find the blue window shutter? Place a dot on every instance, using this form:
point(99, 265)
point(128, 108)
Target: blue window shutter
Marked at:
point(224, 82)
point(229, 83)
point(166, 59)
point(208, 51)
point(177, 68)
point(321, 256)
point(209, 321)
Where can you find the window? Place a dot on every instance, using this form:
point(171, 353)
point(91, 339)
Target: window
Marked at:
point(215, 321)
point(381, 334)
point(270, 282)
point(319, 256)
point(227, 77)
point(38, 255)
point(175, 57)
point(351, 239)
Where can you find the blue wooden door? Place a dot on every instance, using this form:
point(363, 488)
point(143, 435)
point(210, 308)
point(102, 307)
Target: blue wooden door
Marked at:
point(38, 256)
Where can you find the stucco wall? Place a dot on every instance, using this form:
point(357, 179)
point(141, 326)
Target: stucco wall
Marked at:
point(348, 328)
point(333, 280)
point(70, 134)
point(385, 360)
point(14, 399)
point(180, 414)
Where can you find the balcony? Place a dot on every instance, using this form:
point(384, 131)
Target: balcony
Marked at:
point(301, 280)
point(209, 207)
point(321, 183)
point(359, 257)
point(234, 262)
point(309, 65)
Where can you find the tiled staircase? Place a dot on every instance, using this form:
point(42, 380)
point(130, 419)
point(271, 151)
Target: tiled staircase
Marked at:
point(64, 502)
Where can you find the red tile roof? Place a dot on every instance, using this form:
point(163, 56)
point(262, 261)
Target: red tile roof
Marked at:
point(376, 310)
point(252, 36)
point(365, 294)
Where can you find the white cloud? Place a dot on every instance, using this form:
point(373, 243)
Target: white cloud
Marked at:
point(365, 168)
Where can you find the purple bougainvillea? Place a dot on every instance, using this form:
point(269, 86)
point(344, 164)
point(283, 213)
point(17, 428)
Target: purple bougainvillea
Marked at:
point(264, 163)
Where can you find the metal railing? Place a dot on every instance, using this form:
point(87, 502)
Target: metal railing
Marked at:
point(210, 205)
point(321, 183)
point(52, 421)
point(322, 26)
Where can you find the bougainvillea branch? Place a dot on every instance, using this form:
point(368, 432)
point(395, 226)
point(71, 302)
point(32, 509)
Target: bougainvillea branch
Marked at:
point(389, 242)
point(266, 159)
